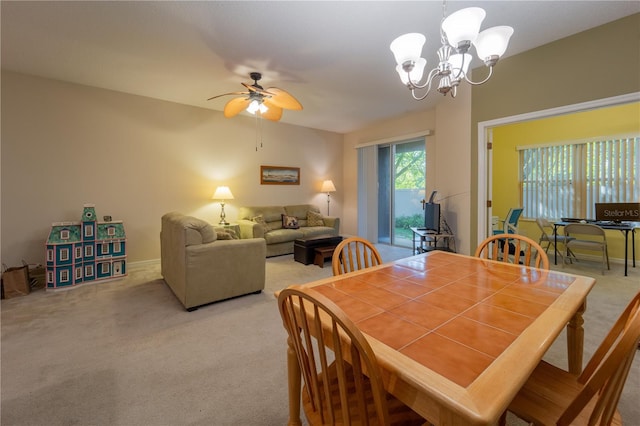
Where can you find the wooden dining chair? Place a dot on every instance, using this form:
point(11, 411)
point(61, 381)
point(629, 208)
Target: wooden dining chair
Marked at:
point(552, 396)
point(513, 248)
point(354, 253)
point(342, 380)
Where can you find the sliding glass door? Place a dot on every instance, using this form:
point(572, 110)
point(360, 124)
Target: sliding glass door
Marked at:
point(401, 188)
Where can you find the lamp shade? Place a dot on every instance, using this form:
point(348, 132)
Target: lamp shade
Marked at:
point(255, 106)
point(459, 63)
point(407, 47)
point(328, 186)
point(463, 25)
point(222, 193)
point(493, 41)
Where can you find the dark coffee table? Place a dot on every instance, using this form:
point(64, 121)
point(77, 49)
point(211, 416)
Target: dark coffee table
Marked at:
point(304, 249)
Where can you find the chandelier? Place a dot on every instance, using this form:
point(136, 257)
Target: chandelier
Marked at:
point(458, 32)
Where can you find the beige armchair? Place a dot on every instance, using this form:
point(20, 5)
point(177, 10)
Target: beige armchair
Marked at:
point(199, 268)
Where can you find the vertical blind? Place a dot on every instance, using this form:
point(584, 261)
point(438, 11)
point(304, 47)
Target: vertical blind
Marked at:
point(566, 180)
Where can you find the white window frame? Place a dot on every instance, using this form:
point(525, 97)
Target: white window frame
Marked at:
point(88, 270)
point(64, 234)
point(104, 248)
point(111, 231)
point(105, 267)
point(117, 247)
point(64, 254)
point(88, 251)
point(64, 275)
point(88, 230)
point(78, 273)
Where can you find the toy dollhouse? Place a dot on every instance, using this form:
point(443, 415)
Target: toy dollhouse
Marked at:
point(85, 252)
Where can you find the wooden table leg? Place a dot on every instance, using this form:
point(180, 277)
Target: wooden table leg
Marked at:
point(294, 385)
point(575, 340)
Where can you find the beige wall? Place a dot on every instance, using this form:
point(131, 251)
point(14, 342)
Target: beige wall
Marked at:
point(447, 172)
point(136, 158)
point(584, 67)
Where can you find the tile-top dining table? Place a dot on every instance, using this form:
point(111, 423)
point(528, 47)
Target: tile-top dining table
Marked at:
point(456, 336)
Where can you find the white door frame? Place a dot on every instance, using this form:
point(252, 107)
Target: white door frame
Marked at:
point(484, 136)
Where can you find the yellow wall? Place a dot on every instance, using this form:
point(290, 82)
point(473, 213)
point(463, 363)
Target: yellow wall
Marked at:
point(618, 120)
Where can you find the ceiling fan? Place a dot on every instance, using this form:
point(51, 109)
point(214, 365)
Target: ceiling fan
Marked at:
point(268, 103)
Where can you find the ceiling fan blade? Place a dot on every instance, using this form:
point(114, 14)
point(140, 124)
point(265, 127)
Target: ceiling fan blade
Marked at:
point(274, 113)
point(236, 106)
point(227, 94)
point(256, 89)
point(283, 99)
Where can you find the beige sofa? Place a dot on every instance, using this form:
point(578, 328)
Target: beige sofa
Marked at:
point(200, 268)
point(280, 240)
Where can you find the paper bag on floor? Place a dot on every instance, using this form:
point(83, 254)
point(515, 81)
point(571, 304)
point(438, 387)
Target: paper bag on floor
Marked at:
point(15, 282)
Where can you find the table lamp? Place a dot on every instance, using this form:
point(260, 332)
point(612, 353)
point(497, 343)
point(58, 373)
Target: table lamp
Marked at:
point(222, 193)
point(328, 187)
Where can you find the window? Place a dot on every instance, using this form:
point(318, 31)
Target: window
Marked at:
point(64, 276)
point(64, 234)
point(88, 271)
point(78, 252)
point(566, 180)
point(64, 254)
point(104, 268)
point(88, 231)
point(104, 248)
point(49, 255)
point(78, 273)
point(111, 231)
point(88, 251)
point(117, 247)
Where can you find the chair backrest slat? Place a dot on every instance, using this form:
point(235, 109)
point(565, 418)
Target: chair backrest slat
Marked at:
point(353, 254)
point(607, 370)
point(316, 325)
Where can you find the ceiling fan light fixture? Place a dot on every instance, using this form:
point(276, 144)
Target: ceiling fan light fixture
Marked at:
point(255, 106)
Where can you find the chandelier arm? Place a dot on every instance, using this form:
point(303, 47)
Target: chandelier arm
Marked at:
point(428, 83)
point(430, 77)
point(480, 82)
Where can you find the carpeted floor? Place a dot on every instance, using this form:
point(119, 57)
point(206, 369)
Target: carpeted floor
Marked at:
point(126, 352)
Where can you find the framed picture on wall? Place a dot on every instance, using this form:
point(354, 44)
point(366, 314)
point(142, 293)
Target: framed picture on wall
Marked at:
point(277, 175)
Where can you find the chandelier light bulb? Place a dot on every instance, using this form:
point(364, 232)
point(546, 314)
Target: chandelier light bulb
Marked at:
point(407, 47)
point(493, 42)
point(415, 75)
point(460, 65)
point(463, 26)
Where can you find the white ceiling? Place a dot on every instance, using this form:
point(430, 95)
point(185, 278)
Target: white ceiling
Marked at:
point(333, 56)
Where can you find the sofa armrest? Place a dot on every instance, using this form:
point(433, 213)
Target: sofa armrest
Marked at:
point(250, 229)
point(333, 222)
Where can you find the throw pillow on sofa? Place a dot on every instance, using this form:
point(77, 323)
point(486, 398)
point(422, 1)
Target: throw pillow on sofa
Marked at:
point(226, 234)
point(260, 219)
point(290, 222)
point(314, 219)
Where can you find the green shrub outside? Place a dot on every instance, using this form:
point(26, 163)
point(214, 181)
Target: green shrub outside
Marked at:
point(403, 223)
